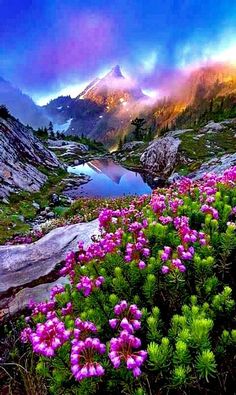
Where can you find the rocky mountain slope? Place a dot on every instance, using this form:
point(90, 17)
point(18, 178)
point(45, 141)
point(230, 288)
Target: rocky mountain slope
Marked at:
point(21, 105)
point(207, 93)
point(102, 110)
point(21, 153)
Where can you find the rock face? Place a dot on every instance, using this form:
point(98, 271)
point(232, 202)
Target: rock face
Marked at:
point(25, 263)
point(22, 265)
point(161, 156)
point(20, 154)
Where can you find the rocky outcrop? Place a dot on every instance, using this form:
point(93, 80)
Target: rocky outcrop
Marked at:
point(21, 153)
point(66, 145)
point(132, 145)
point(22, 264)
point(215, 165)
point(161, 156)
point(213, 127)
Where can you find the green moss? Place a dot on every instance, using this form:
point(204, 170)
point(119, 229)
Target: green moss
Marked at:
point(21, 205)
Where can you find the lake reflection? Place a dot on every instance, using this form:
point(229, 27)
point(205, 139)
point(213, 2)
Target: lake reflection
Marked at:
point(109, 179)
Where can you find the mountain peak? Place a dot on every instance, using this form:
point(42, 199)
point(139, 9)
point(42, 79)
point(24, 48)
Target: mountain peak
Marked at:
point(115, 72)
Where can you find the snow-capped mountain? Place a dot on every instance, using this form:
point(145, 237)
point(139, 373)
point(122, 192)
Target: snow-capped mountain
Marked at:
point(102, 110)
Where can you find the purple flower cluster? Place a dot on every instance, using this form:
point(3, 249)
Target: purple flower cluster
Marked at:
point(158, 204)
point(128, 317)
point(206, 209)
point(138, 250)
point(57, 289)
point(184, 251)
point(96, 250)
point(42, 307)
point(83, 358)
point(83, 328)
point(124, 349)
point(47, 337)
point(184, 185)
point(175, 204)
point(86, 284)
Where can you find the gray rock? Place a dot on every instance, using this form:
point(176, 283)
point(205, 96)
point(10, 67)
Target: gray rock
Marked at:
point(161, 155)
point(174, 177)
point(19, 301)
point(68, 146)
point(51, 214)
point(36, 205)
point(20, 153)
point(212, 127)
point(55, 199)
point(215, 165)
point(22, 264)
point(132, 145)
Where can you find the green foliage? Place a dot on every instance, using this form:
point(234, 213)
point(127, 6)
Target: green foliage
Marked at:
point(206, 365)
point(4, 112)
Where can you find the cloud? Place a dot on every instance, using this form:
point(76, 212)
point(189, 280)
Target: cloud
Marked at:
point(80, 43)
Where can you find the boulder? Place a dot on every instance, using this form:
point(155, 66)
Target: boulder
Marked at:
point(161, 156)
point(25, 263)
point(213, 127)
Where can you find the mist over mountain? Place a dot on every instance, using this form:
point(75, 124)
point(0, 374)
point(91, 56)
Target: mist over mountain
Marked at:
point(21, 105)
point(107, 105)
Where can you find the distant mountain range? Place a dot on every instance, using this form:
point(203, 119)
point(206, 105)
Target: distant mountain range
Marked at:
point(105, 108)
point(21, 105)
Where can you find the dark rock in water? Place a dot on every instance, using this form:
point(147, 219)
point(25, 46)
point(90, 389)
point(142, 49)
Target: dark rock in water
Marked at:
point(20, 155)
point(161, 156)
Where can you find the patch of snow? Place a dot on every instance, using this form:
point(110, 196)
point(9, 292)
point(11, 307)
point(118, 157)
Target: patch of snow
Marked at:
point(62, 127)
point(59, 108)
point(91, 87)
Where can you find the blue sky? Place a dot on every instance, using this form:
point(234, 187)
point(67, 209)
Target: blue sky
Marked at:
point(52, 46)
